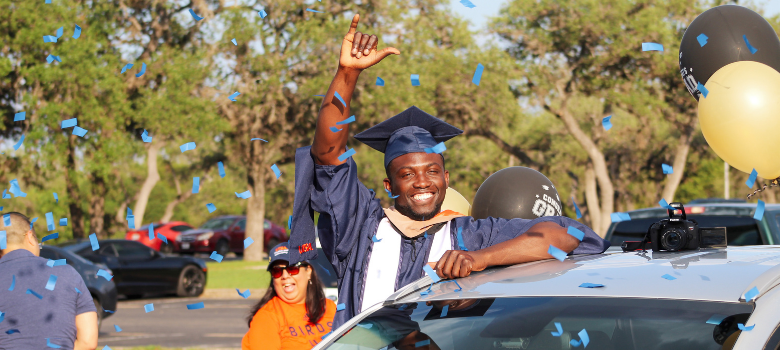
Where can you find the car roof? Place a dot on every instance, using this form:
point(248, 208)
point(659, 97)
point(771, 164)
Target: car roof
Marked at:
point(745, 209)
point(722, 275)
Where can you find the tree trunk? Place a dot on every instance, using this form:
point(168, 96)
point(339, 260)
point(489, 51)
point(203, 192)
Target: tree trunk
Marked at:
point(255, 212)
point(180, 197)
point(152, 177)
point(678, 165)
point(592, 199)
point(74, 200)
point(97, 207)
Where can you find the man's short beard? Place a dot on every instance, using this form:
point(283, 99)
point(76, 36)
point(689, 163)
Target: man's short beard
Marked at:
point(410, 213)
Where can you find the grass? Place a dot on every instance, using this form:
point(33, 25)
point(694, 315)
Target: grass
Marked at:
point(238, 274)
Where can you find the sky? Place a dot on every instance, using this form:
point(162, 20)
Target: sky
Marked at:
point(487, 8)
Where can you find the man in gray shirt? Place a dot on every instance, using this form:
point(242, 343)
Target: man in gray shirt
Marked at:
point(42, 306)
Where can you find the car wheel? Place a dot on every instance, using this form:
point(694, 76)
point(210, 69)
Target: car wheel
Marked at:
point(192, 282)
point(223, 247)
point(271, 243)
point(166, 248)
point(99, 309)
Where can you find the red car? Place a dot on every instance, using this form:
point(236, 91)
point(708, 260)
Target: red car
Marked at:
point(225, 234)
point(170, 230)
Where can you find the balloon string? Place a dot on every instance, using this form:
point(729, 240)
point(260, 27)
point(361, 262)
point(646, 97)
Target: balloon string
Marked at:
point(773, 183)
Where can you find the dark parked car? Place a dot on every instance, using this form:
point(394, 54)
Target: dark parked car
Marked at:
point(741, 228)
point(170, 230)
point(225, 234)
point(138, 269)
point(103, 292)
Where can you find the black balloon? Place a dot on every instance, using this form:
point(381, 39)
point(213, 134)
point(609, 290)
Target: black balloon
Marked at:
point(516, 192)
point(725, 27)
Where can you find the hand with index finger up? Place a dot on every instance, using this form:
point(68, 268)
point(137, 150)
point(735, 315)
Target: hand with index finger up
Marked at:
point(358, 50)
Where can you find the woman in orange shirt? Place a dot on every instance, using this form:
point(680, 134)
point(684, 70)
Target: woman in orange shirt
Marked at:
point(294, 313)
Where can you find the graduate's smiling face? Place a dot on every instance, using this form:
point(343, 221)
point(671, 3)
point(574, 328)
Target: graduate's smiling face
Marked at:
point(420, 182)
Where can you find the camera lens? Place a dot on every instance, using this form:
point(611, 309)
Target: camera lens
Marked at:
point(673, 239)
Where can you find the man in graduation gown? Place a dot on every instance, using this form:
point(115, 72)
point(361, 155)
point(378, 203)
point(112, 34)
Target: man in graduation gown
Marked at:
point(376, 251)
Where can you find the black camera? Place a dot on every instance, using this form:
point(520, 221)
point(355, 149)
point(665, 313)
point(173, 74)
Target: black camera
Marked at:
point(678, 233)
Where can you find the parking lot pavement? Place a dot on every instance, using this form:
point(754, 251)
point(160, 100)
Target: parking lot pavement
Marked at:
point(220, 324)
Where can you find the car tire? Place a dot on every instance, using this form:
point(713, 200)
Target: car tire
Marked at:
point(166, 248)
point(223, 247)
point(100, 311)
point(271, 243)
point(192, 282)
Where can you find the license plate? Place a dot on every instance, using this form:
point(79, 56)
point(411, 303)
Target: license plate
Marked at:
point(185, 246)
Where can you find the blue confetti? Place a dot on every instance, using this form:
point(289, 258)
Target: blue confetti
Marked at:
point(618, 217)
point(340, 307)
point(276, 171)
point(162, 238)
point(221, 168)
point(336, 94)
point(77, 290)
point(390, 194)
point(349, 153)
point(461, 244)
point(60, 32)
point(335, 129)
point(3, 240)
point(150, 230)
point(56, 199)
point(245, 294)
point(702, 39)
point(216, 257)
point(126, 67)
point(187, 147)
point(477, 73)
point(52, 58)
point(52, 345)
point(145, 137)
point(19, 144)
point(556, 253)
point(716, 319)
point(49, 39)
point(751, 294)
point(439, 148)
point(211, 207)
point(64, 222)
point(591, 285)
point(149, 308)
point(759, 211)
point(576, 233)
point(76, 32)
point(326, 335)
point(68, 123)
point(669, 277)
point(667, 169)
point(234, 41)
point(606, 123)
point(702, 89)
point(54, 235)
point(289, 222)
point(196, 306)
point(143, 70)
point(80, 132)
point(666, 205)
point(444, 311)
point(652, 47)
point(2, 316)
point(415, 79)
point(19, 116)
point(576, 208)
point(15, 189)
point(380, 82)
point(262, 14)
point(751, 179)
point(117, 329)
point(704, 278)
point(233, 96)
point(310, 10)
point(30, 291)
point(196, 17)
point(742, 327)
point(52, 282)
point(559, 328)
point(94, 242)
point(346, 121)
point(13, 283)
point(12, 331)
point(244, 195)
point(257, 138)
point(104, 274)
point(58, 262)
point(248, 241)
point(431, 273)
point(750, 47)
point(584, 339)
point(468, 4)
point(195, 184)
point(6, 220)
point(375, 240)
point(422, 343)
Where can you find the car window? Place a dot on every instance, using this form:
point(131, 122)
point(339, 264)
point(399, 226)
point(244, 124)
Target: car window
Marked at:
point(324, 270)
point(180, 228)
point(532, 323)
point(740, 230)
point(241, 225)
point(266, 225)
point(132, 250)
point(49, 254)
point(218, 224)
point(774, 340)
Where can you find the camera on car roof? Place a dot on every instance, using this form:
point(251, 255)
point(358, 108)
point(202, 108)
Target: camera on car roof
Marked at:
point(678, 233)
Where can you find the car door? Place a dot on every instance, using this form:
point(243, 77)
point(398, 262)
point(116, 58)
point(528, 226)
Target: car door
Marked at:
point(237, 233)
point(142, 269)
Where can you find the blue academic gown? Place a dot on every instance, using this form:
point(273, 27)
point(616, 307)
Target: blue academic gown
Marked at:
point(349, 217)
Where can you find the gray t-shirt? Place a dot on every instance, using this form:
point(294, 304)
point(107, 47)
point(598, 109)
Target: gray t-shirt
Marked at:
point(31, 312)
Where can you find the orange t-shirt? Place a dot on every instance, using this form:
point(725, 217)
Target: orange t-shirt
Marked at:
point(279, 325)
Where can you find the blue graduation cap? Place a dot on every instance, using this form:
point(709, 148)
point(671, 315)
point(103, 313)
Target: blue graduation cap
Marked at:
point(410, 131)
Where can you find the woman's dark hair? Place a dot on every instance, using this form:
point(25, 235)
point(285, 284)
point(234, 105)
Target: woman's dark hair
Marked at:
point(315, 298)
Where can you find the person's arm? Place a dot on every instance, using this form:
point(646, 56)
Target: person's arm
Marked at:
point(529, 246)
point(358, 52)
point(86, 331)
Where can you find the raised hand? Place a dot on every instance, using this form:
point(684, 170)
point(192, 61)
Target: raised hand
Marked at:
point(358, 50)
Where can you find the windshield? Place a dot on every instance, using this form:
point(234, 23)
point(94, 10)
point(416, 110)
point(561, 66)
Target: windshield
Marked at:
point(218, 224)
point(532, 323)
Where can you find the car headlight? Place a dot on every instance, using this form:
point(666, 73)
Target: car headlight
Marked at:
point(178, 238)
point(205, 236)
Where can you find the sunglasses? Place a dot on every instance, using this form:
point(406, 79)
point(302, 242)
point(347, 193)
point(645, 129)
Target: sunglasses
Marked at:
point(293, 270)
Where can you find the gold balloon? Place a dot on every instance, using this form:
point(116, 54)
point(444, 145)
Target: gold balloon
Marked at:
point(740, 117)
point(455, 201)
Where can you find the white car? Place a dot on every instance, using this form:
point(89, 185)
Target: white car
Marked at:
point(691, 300)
